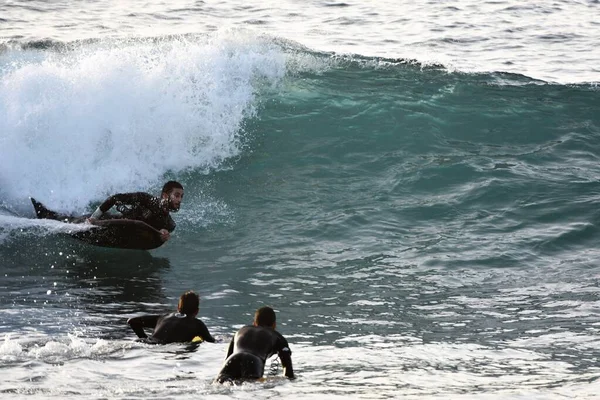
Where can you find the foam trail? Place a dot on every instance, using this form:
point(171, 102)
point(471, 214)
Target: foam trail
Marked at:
point(111, 117)
point(38, 227)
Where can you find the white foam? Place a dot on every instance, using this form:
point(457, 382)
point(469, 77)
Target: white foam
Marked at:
point(11, 226)
point(113, 117)
point(10, 350)
point(53, 350)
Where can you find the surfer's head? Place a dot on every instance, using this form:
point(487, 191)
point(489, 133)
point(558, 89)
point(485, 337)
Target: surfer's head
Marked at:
point(189, 304)
point(172, 194)
point(265, 316)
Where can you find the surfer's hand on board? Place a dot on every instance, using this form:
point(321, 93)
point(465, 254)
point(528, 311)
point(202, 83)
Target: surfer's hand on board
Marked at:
point(164, 235)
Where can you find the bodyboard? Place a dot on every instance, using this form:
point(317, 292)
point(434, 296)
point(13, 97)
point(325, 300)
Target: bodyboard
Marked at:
point(122, 234)
point(117, 233)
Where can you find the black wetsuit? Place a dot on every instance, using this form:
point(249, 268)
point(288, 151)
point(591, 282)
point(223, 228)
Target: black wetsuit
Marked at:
point(139, 206)
point(249, 350)
point(170, 328)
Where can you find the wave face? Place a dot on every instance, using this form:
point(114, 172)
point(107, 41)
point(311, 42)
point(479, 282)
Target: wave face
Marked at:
point(366, 146)
point(375, 153)
point(380, 205)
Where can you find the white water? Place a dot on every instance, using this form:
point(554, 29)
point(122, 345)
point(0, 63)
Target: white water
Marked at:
point(112, 117)
point(112, 369)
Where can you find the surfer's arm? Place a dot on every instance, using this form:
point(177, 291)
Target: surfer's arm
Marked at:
point(285, 355)
point(125, 198)
point(204, 333)
point(230, 349)
point(139, 323)
point(286, 362)
point(170, 224)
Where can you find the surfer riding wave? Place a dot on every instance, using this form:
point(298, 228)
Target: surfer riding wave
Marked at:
point(137, 206)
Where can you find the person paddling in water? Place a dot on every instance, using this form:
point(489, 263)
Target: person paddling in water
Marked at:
point(180, 326)
point(250, 348)
point(144, 207)
point(139, 206)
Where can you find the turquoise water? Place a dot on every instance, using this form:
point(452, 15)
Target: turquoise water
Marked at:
point(422, 231)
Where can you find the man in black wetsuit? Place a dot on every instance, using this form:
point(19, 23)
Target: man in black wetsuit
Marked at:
point(180, 326)
point(144, 207)
point(252, 345)
point(138, 206)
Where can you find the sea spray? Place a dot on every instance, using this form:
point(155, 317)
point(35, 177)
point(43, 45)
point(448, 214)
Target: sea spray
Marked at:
point(105, 117)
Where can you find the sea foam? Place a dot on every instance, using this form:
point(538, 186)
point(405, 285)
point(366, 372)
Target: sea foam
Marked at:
point(107, 117)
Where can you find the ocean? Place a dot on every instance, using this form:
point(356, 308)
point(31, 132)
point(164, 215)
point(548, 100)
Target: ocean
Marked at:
point(412, 186)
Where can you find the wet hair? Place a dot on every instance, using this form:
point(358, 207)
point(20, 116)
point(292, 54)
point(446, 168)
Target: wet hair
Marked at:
point(189, 303)
point(169, 186)
point(264, 316)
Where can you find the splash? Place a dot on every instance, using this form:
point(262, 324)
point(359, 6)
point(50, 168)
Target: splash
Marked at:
point(117, 116)
point(51, 350)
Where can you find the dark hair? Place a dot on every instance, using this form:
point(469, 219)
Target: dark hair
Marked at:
point(189, 303)
point(169, 186)
point(264, 316)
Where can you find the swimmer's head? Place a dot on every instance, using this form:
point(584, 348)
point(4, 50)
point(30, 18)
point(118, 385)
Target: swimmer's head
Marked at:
point(172, 194)
point(189, 304)
point(265, 316)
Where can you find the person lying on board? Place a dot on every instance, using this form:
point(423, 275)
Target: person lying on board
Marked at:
point(140, 206)
point(250, 348)
point(176, 327)
point(144, 207)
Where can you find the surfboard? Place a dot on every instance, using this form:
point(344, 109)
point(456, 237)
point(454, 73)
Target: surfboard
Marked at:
point(116, 233)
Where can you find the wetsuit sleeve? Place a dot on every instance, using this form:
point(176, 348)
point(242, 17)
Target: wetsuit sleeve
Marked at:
point(170, 224)
point(126, 198)
point(204, 333)
point(285, 355)
point(139, 323)
point(230, 349)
